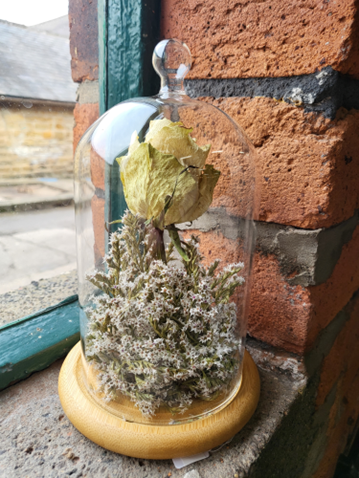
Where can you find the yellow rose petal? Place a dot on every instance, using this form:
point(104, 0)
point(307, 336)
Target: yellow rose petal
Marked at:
point(134, 143)
point(165, 171)
point(134, 171)
point(156, 126)
point(173, 138)
point(207, 183)
point(149, 176)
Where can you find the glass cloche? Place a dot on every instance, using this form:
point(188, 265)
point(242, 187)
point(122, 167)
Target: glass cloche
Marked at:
point(165, 195)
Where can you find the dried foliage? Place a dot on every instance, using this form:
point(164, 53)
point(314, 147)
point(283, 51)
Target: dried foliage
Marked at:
point(163, 333)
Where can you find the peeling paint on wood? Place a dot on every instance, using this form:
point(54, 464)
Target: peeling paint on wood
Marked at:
point(35, 342)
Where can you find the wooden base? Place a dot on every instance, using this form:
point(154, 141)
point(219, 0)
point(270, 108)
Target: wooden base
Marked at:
point(152, 441)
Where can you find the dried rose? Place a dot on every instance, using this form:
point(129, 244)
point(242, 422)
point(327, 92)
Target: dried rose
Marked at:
point(155, 170)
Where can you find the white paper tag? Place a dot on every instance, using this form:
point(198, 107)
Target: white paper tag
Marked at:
point(188, 460)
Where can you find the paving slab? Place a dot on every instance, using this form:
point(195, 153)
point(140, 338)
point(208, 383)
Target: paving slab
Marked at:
point(36, 245)
point(14, 223)
point(59, 239)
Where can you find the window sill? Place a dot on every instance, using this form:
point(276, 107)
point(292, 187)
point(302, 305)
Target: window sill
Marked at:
point(38, 433)
point(37, 296)
point(31, 343)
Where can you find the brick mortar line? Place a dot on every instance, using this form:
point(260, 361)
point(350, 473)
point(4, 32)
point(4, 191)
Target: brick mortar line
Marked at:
point(324, 246)
point(88, 92)
point(323, 92)
point(286, 242)
point(100, 193)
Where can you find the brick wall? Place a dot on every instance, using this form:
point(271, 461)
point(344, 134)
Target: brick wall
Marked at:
point(84, 63)
point(288, 73)
point(36, 141)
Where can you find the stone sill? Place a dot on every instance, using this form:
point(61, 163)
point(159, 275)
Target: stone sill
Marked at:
point(38, 440)
point(38, 295)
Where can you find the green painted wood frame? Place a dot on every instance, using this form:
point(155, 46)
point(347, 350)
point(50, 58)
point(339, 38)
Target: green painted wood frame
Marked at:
point(34, 342)
point(128, 32)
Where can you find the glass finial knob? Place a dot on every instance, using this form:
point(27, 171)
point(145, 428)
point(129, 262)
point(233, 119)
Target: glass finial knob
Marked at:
point(172, 61)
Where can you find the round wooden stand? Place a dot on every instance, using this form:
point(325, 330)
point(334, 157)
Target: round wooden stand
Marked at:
point(152, 441)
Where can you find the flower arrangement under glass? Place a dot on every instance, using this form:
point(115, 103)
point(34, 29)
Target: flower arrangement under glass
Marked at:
point(164, 198)
point(163, 332)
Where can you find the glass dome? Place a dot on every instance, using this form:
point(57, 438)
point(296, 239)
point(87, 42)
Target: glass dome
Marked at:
point(165, 195)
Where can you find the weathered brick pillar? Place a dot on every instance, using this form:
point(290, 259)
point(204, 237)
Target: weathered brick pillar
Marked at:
point(288, 72)
point(84, 65)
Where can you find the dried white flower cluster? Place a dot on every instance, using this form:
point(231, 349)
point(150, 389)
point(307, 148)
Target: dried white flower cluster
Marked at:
point(162, 334)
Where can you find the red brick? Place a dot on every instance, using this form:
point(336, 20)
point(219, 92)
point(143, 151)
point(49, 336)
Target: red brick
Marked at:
point(85, 115)
point(340, 368)
point(98, 220)
point(238, 188)
point(342, 417)
point(97, 165)
point(308, 165)
point(331, 297)
point(83, 39)
point(279, 313)
point(291, 317)
point(241, 39)
point(343, 360)
point(214, 245)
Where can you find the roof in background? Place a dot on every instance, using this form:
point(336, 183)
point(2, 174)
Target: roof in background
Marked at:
point(58, 26)
point(35, 64)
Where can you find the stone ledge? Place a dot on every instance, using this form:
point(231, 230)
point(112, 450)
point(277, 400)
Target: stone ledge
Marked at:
point(38, 440)
point(38, 295)
point(62, 200)
point(29, 194)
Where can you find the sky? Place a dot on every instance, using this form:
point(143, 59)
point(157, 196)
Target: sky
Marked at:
point(32, 12)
